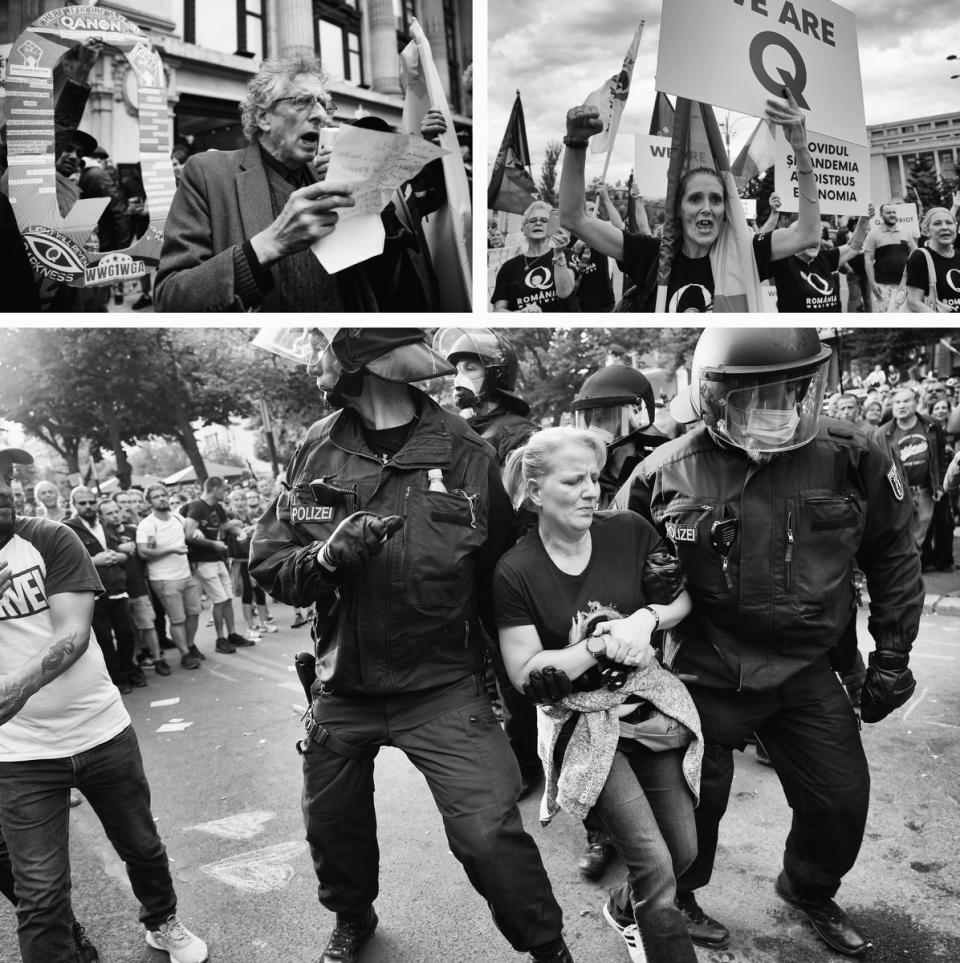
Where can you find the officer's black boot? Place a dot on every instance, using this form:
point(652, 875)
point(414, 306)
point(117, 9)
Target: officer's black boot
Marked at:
point(348, 937)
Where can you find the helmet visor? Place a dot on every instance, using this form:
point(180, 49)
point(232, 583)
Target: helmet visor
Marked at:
point(300, 345)
point(454, 343)
point(766, 413)
point(611, 422)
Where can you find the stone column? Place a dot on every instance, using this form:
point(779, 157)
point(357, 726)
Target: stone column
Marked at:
point(384, 59)
point(294, 27)
point(431, 12)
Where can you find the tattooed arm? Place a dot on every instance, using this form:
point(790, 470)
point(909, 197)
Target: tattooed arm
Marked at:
point(71, 614)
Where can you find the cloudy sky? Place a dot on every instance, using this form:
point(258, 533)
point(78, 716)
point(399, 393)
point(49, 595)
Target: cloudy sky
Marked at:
point(556, 53)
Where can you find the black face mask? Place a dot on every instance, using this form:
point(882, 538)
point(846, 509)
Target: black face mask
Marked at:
point(465, 398)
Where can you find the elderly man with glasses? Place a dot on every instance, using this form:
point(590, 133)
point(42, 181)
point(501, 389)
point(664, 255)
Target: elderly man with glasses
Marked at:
point(240, 228)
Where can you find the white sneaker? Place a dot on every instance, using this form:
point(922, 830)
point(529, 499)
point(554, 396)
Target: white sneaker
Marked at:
point(630, 934)
point(266, 627)
point(174, 938)
point(253, 635)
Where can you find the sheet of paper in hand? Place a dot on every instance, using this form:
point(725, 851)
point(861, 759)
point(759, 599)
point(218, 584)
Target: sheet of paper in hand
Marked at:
point(374, 164)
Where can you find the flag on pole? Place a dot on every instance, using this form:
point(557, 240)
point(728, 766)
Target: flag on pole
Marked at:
point(611, 98)
point(735, 278)
point(448, 230)
point(511, 187)
point(661, 122)
point(756, 155)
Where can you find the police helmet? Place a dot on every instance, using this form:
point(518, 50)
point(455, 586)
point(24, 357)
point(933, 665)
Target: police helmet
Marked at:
point(760, 389)
point(493, 350)
point(394, 354)
point(609, 402)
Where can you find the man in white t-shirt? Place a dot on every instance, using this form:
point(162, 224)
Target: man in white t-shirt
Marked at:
point(162, 543)
point(63, 726)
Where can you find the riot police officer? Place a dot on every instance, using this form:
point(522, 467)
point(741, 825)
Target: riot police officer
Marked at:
point(486, 382)
point(617, 403)
point(770, 507)
point(390, 521)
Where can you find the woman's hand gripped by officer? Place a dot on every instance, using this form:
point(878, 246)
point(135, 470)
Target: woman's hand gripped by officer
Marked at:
point(309, 214)
point(627, 640)
point(355, 539)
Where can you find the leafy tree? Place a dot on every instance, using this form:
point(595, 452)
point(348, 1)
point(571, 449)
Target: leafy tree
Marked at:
point(922, 182)
point(548, 172)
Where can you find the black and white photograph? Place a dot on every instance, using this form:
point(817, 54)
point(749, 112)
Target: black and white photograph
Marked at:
point(189, 156)
point(755, 156)
point(356, 645)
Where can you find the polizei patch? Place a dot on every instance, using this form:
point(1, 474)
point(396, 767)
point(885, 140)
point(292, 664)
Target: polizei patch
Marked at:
point(681, 533)
point(311, 513)
point(893, 476)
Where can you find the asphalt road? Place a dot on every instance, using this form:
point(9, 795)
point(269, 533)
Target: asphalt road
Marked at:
point(226, 800)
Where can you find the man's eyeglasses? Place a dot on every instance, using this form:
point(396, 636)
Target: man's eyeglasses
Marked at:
point(538, 220)
point(306, 102)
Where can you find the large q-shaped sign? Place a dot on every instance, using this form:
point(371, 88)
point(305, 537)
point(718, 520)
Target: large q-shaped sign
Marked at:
point(54, 243)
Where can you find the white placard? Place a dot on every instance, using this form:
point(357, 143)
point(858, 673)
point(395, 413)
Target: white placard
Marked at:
point(652, 161)
point(749, 208)
point(736, 53)
point(908, 220)
point(842, 171)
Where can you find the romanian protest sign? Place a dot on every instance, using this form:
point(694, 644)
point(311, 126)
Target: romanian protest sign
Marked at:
point(55, 243)
point(842, 172)
point(737, 53)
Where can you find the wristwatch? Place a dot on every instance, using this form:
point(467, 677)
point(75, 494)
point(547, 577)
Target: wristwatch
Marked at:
point(603, 646)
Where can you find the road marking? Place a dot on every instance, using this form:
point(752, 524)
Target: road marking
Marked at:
point(938, 658)
point(164, 702)
point(238, 826)
point(915, 703)
point(174, 727)
point(221, 675)
point(260, 871)
point(292, 686)
point(942, 725)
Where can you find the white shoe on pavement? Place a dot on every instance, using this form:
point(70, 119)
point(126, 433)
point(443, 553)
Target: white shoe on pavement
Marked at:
point(174, 938)
point(630, 934)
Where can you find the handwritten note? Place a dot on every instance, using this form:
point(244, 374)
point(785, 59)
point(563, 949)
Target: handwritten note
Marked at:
point(374, 164)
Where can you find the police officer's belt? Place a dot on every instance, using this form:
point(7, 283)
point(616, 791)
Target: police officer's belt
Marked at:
point(324, 737)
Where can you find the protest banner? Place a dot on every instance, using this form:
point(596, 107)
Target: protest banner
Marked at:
point(908, 219)
point(448, 231)
point(651, 162)
point(842, 172)
point(611, 98)
point(736, 53)
point(511, 186)
point(55, 243)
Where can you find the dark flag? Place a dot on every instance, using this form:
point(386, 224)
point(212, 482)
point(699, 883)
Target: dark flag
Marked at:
point(661, 123)
point(735, 278)
point(511, 186)
point(632, 226)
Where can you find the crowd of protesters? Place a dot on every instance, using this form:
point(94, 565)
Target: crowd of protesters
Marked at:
point(135, 629)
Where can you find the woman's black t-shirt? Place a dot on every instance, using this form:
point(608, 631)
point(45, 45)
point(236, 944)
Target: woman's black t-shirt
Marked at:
point(529, 589)
point(948, 277)
point(690, 288)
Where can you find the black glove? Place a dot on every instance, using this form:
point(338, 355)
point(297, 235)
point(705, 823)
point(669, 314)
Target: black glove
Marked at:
point(356, 538)
point(889, 684)
point(547, 686)
point(613, 674)
point(663, 577)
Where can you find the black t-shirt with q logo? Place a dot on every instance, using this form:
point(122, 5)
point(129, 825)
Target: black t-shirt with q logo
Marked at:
point(524, 281)
point(805, 287)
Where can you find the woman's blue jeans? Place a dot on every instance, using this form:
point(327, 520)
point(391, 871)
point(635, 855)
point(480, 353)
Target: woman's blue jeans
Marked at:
point(647, 809)
point(35, 822)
